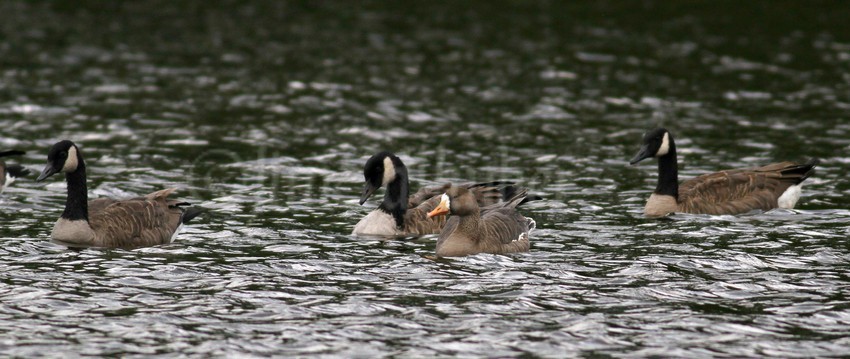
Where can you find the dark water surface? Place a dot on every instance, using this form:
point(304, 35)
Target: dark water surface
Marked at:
point(264, 113)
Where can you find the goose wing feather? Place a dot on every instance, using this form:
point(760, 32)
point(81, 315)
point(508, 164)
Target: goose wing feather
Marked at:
point(485, 193)
point(504, 230)
point(98, 205)
point(137, 222)
point(416, 219)
point(426, 193)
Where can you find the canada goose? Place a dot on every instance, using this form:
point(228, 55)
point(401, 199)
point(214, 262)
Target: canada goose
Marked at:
point(726, 192)
point(130, 223)
point(471, 229)
point(400, 215)
point(9, 173)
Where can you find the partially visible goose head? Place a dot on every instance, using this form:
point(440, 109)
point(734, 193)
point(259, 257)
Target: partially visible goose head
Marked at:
point(11, 153)
point(9, 173)
point(656, 143)
point(456, 201)
point(63, 157)
point(380, 170)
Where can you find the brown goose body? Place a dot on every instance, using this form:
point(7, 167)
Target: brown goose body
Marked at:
point(730, 192)
point(130, 223)
point(471, 229)
point(399, 217)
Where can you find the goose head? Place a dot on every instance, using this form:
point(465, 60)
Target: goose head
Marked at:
point(63, 157)
point(381, 169)
point(456, 201)
point(656, 143)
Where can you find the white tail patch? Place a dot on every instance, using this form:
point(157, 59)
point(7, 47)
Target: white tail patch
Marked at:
point(532, 224)
point(789, 198)
point(522, 236)
point(176, 231)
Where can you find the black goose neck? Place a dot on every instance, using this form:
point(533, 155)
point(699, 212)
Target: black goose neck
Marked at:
point(76, 205)
point(395, 198)
point(668, 173)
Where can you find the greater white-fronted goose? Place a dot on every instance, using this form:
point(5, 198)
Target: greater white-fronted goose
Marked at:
point(9, 173)
point(400, 215)
point(130, 223)
point(471, 229)
point(735, 191)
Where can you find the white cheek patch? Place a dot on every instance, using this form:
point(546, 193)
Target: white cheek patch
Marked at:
point(445, 199)
point(665, 146)
point(389, 171)
point(71, 161)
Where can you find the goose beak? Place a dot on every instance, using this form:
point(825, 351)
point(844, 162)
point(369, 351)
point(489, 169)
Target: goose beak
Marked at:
point(368, 190)
point(643, 154)
point(442, 208)
point(47, 172)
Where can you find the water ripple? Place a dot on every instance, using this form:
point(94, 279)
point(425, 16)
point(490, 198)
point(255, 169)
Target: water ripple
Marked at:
point(268, 126)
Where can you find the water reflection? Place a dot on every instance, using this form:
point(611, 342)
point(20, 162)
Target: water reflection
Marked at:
point(264, 113)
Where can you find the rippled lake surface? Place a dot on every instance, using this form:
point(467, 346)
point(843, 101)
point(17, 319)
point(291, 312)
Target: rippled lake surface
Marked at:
point(265, 112)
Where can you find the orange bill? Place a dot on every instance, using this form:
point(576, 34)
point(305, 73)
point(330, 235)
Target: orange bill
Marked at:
point(442, 208)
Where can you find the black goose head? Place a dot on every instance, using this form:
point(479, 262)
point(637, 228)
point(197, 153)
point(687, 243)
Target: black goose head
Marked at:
point(656, 143)
point(62, 157)
point(380, 170)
